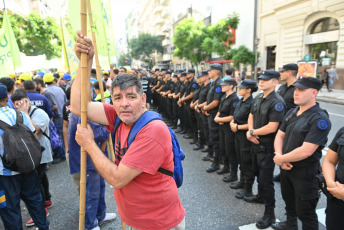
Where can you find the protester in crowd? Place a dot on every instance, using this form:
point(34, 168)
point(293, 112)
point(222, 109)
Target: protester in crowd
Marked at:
point(40, 121)
point(140, 205)
point(107, 80)
point(36, 99)
point(333, 170)
point(10, 84)
point(15, 186)
point(122, 70)
point(23, 77)
point(107, 95)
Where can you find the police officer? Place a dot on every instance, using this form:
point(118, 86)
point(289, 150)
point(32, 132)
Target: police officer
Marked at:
point(223, 117)
point(169, 86)
point(202, 101)
point(243, 146)
point(335, 179)
point(210, 109)
point(183, 122)
point(298, 148)
point(190, 89)
point(199, 135)
point(173, 96)
point(266, 114)
point(288, 75)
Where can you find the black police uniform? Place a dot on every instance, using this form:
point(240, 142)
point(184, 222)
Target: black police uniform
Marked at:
point(287, 93)
point(227, 139)
point(171, 88)
point(199, 136)
point(154, 82)
point(164, 101)
point(243, 147)
point(335, 207)
point(183, 118)
point(204, 119)
point(215, 93)
point(175, 107)
point(299, 186)
point(191, 87)
point(265, 110)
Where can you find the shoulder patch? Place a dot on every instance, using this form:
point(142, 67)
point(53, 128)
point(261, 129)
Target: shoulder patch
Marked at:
point(235, 104)
point(218, 89)
point(279, 107)
point(194, 85)
point(322, 124)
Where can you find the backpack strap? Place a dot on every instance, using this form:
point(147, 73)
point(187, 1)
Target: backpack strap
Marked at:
point(20, 118)
point(32, 112)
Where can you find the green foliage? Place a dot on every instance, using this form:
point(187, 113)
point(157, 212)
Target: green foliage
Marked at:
point(188, 38)
point(36, 35)
point(145, 44)
point(242, 55)
point(123, 58)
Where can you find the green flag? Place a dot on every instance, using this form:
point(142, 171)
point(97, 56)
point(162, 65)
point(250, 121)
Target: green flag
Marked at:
point(9, 51)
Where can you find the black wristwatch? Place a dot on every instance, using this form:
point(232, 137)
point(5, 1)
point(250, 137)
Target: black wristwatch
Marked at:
point(251, 132)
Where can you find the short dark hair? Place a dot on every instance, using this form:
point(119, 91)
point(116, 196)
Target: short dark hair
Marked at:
point(8, 82)
point(293, 72)
point(18, 94)
point(229, 71)
point(123, 68)
point(124, 81)
point(96, 85)
point(56, 75)
point(68, 92)
point(115, 71)
point(39, 81)
point(29, 85)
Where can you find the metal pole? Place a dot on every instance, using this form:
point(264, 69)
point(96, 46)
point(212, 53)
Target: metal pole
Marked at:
point(4, 5)
point(255, 39)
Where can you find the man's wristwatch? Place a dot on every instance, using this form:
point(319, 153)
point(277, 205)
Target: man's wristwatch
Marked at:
point(251, 132)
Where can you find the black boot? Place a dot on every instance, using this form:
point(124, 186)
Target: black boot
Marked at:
point(231, 177)
point(255, 198)
point(179, 130)
point(246, 192)
point(223, 170)
point(206, 149)
point(188, 136)
point(237, 185)
point(214, 166)
point(198, 147)
point(209, 156)
point(194, 141)
point(289, 224)
point(268, 219)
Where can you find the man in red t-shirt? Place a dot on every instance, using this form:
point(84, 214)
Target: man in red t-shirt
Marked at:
point(146, 198)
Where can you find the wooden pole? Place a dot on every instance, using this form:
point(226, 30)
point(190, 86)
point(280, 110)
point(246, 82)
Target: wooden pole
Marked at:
point(99, 77)
point(64, 47)
point(84, 101)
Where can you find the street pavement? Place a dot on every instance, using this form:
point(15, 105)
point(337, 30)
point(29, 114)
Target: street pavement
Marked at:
point(209, 203)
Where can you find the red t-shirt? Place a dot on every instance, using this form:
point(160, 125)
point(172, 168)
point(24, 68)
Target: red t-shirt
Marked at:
point(150, 200)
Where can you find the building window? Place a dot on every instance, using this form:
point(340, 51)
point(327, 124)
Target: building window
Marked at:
point(325, 25)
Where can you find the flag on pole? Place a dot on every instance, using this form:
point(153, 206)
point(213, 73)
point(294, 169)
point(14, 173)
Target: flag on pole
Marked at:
point(71, 62)
point(9, 50)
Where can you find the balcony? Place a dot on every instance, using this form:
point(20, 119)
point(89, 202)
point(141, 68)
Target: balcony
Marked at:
point(165, 13)
point(166, 42)
point(164, 2)
point(157, 10)
point(166, 57)
point(159, 22)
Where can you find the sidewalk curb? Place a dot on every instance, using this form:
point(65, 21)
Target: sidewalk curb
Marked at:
point(330, 100)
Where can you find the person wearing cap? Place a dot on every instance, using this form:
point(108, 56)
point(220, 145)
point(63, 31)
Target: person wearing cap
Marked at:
point(199, 135)
point(107, 80)
point(202, 101)
point(64, 81)
point(183, 118)
point(210, 109)
point(24, 77)
point(266, 113)
point(243, 146)
point(15, 186)
point(289, 76)
point(167, 102)
point(224, 116)
point(61, 98)
point(298, 150)
point(10, 84)
point(187, 98)
point(122, 70)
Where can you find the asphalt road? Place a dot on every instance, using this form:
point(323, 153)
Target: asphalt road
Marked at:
point(209, 203)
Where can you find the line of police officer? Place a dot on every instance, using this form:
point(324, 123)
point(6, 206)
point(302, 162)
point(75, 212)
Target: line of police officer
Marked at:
point(241, 132)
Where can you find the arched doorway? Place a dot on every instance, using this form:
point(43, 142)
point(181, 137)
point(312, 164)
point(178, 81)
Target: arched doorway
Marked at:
point(321, 40)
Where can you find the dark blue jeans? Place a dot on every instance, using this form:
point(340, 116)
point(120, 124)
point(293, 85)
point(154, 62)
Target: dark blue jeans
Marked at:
point(60, 152)
point(27, 188)
point(95, 210)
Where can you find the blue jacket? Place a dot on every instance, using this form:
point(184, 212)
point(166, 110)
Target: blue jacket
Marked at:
point(100, 135)
point(41, 102)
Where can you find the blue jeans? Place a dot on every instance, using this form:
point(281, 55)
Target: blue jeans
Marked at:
point(60, 152)
point(331, 82)
point(95, 207)
point(27, 188)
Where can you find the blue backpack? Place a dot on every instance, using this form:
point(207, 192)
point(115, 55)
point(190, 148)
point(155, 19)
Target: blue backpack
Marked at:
point(178, 154)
